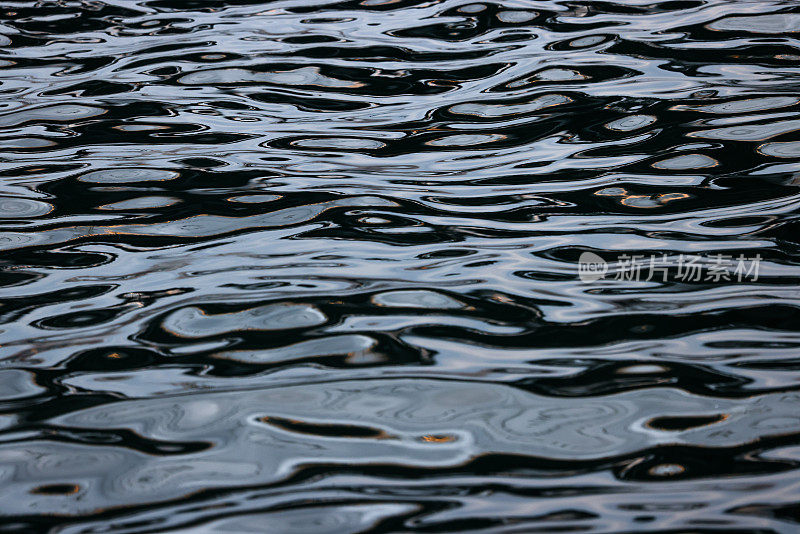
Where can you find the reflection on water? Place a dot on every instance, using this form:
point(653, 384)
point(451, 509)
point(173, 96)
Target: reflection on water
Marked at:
point(313, 267)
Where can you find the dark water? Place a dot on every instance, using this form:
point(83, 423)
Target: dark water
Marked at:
point(302, 267)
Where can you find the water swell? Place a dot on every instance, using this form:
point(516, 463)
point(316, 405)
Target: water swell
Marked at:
point(315, 265)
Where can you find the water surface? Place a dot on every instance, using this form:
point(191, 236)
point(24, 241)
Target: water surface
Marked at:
point(309, 267)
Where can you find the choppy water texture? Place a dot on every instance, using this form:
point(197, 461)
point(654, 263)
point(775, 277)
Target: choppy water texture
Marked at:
point(302, 267)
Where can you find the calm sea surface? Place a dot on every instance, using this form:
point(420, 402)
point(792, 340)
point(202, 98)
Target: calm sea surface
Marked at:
point(400, 266)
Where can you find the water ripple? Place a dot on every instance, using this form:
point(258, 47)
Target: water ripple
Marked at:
point(315, 266)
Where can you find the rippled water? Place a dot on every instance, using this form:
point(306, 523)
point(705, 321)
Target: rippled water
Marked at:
point(313, 267)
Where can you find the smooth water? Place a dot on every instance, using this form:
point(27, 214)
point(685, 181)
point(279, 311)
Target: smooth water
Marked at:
point(299, 267)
